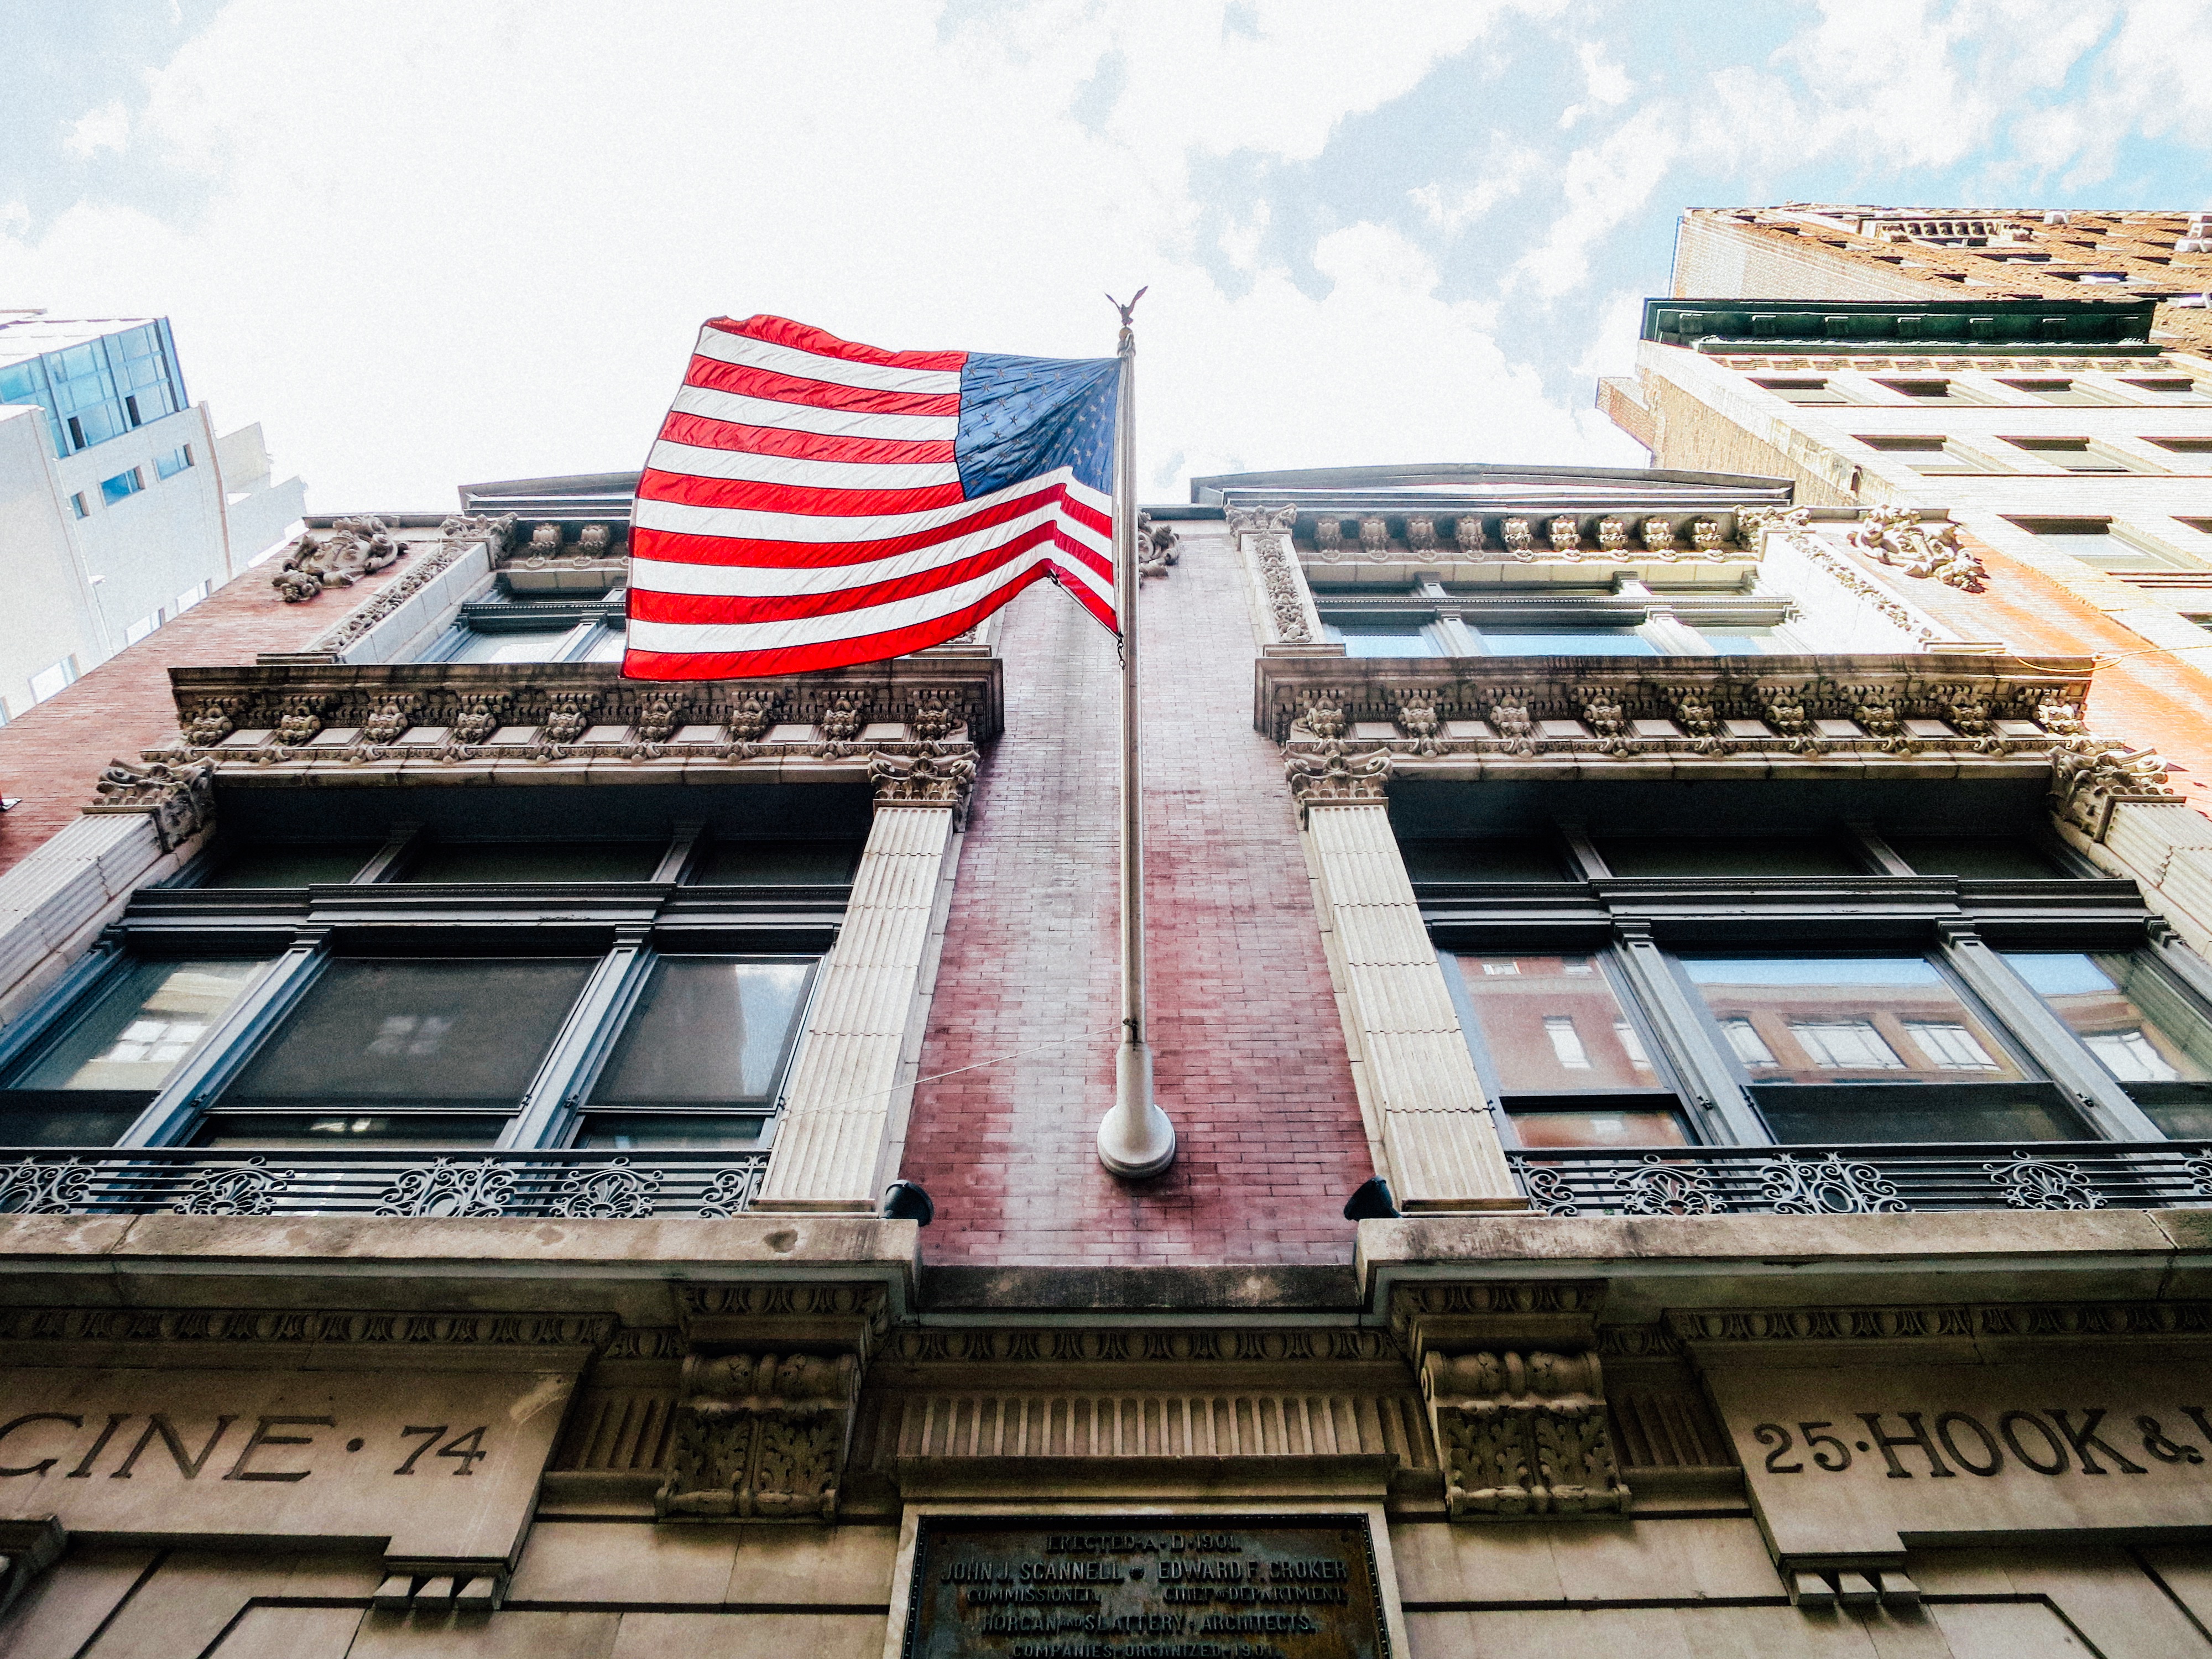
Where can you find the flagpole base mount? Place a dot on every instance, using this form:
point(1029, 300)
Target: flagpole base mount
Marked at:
point(1136, 1138)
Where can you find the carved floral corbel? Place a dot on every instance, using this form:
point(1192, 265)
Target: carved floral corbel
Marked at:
point(180, 798)
point(1522, 1434)
point(760, 1437)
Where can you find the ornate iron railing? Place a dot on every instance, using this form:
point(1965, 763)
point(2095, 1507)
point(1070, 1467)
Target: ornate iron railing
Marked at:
point(1866, 1180)
point(332, 1181)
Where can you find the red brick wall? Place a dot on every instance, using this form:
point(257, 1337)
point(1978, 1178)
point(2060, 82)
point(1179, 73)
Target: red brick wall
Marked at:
point(50, 756)
point(1249, 1048)
point(2141, 695)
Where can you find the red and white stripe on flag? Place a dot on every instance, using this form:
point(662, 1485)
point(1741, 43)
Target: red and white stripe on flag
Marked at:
point(804, 509)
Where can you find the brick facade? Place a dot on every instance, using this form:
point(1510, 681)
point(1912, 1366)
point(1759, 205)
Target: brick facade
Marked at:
point(52, 755)
point(2141, 697)
point(1248, 1046)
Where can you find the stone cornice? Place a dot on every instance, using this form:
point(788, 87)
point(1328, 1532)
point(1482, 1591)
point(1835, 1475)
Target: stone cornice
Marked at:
point(334, 718)
point(1435, 705)
point(1349, 723)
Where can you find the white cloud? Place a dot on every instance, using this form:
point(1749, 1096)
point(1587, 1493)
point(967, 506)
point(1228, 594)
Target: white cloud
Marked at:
point(417, 271)
point(1504, 171)
point(107, 127)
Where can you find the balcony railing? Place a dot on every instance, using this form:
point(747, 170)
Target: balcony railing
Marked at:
point(335, 1180)
point(1865, 1180)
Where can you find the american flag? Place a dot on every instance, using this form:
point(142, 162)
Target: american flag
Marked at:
point(812, 503)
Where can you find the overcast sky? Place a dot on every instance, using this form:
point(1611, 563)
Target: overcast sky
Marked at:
point(427, 242)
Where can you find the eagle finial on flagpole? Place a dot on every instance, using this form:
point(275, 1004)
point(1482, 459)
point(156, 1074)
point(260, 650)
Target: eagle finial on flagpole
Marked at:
point(1128, 330)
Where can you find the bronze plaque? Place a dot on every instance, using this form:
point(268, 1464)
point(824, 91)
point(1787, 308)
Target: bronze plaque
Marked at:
point(1205, 1588)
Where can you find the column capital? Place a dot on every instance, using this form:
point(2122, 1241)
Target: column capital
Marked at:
point(941, 777)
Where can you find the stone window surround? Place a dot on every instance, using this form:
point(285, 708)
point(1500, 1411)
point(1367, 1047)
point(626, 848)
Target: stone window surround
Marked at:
point(850, 1082)
point(303, 935)
point(1758, 915)
point(1427, 1116)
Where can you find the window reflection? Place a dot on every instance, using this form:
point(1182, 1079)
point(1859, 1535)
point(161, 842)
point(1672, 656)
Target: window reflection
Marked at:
point(1553, 1023)
point(143, 1028)
point(2126, 1013)
point(1849, 1019)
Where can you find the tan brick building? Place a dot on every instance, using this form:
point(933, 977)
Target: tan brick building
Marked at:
point(455, 1096)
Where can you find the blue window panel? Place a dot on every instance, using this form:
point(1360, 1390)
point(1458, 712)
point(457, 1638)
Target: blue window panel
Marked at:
point(1381, 639)
point(168, 465)
point(1741, 641)
point(121, 486)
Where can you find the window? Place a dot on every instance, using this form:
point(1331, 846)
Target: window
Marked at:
point(145, 625)
point(1585, 1046)
point(1559, 1047)
point(191, 597)
point(173, 463)
point(2142, 1027)
point(2185, 445)
point(78, 507)
point(2168, 388)
point(121, 486)
point(1803, 391)
point(92, 1076)
point(2074, 454)
point(1827, 1042)
point(2072, 394)
point(1383, 639)
point(1975, 857)
point(435, 1016)
point(501, 861)
point(516, 626)
point(2094, 541)
point(702, 1055)
point(735, 863)
point(1728, 855)
point(54, 681)
point(1927, 454)
point(289, 864)
point(1930, 392)
point(1747, 642)
point(1517, 859)
point(424, 1052)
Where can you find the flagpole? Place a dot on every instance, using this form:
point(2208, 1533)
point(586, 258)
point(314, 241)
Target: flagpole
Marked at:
point(1135, 1139)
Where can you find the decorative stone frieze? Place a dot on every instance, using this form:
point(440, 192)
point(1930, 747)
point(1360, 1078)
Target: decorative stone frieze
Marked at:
point(1967, 709)
point(337, 557)
point(455, 537)
point(1289, 608)
point(1607, 537)
point(1522, 1434)
point(179, 796)
point(1946, 1324)
point(323, 715)
point(1896, 537)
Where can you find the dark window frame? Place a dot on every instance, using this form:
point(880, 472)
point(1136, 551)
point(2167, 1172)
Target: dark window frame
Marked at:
point(1719, 915)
